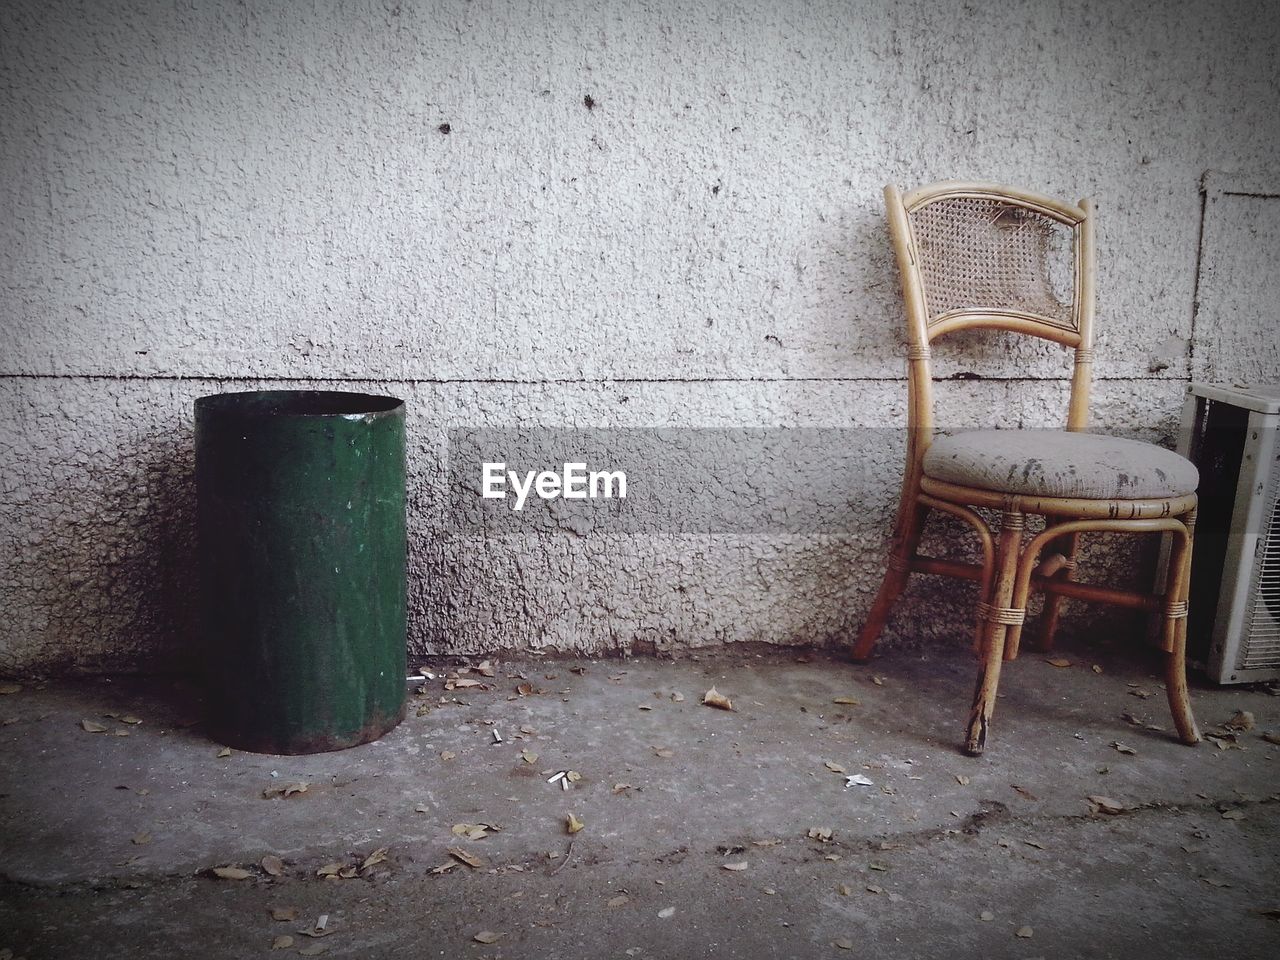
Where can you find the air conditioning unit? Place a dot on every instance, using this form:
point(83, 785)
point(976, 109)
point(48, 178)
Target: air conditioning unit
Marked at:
point(1230, 433)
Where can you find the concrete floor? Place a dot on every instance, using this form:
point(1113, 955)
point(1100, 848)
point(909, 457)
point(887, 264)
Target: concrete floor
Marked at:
point(107, 839)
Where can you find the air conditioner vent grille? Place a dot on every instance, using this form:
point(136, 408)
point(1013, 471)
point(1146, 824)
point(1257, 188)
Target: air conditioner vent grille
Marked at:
point(1261, 649)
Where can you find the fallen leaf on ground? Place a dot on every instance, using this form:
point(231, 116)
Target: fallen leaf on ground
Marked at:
point(486, 936)
point(130, 719)
point(618, 901)
point(714, 698)
point(272, 865)
point(372, 860)
point(834, 767)
point(822, 834)
point(444, 867)
point(737, 866)
point(1272, 736)
point(878, 681)
point(284, 913)
point(282, 942)
point(447, 754)
point(962, 779)
point(573, 776)
point(1107, 805)
point(1233, 815)
point(1215, 882)
point(1058, 661)
point(1241, 720)
point(285, 790)
point(1024, 792)
point(664, 752)
point(1024, 932)
point(231, 873)
point(528, 756)
point(470, 859)
point(1271, 913)
point(621, 787)
point(844, 890)
point(1140, 693)
point(8, 688)
point(846, 701)
point(677, 697)
point(843, 943)
point(141, 839)
point(1096, 669)
point(92, 726)
point(572, 824)
point(1123, 748)
point(224, 752)
point(986, 916)
point(313, 951)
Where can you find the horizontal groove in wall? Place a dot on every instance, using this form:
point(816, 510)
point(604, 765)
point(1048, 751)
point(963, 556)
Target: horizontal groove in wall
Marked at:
point(164, 378)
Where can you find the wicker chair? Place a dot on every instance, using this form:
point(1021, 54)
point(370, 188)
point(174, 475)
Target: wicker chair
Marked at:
point(979, 255)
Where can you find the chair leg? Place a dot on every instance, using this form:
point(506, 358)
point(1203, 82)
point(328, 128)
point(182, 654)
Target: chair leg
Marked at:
point(894, 582)
point(1052, 601)
point(995, 616)
point(1175, 634)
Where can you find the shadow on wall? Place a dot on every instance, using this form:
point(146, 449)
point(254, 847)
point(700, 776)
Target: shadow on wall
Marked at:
point(120, 560)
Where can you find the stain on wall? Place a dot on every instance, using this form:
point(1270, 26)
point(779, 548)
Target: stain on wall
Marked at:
point(588, 213)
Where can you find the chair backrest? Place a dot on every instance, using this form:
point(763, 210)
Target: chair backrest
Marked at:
point(984, 255)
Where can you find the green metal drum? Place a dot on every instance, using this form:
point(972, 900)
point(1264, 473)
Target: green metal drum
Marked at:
point(301, 504)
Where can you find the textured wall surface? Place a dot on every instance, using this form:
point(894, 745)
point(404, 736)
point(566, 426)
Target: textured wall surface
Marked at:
point(589, 214)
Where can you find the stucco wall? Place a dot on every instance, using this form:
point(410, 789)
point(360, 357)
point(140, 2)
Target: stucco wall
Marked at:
point(579, 214)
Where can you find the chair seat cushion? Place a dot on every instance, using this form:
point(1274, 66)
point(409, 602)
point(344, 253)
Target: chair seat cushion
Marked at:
point(1060, 463)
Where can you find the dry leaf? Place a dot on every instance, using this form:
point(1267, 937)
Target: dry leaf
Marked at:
point(834, 767)
point(528, 756)
point(843, 943)
point(1058, 661)
point(572, 824)
point(1242, 720)
point(282, 942)
point(713, 698)
point(8, 688)
point(444, 867)
point(92, 726)
point(573, 776)
point(986, 916)
point(284, 913)
point(447, 754)
point(1272, 736)
point(524, 689)
point(1107, 805)
point(844, 890)
point(224, 752)
point(962, 779)
point(618, 901)
point(470, 859)
point(486, 936)
point(666, 912)
point(846, 701)
point(677, 697)
point(822, 834)
point(1024, 792)
point(141, 839)
point(1123, 748)
point(874, 888)
point(664, 752)
point(1024, 932)
point(1096, 669)
point(737, 866)
point(372, 860)
point(329, 870)
point(621, 787)
point(1233, 815)
point(272, 865)
point(130, 719)
point(313, 951)
point(285, 790)
point(231, 873)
